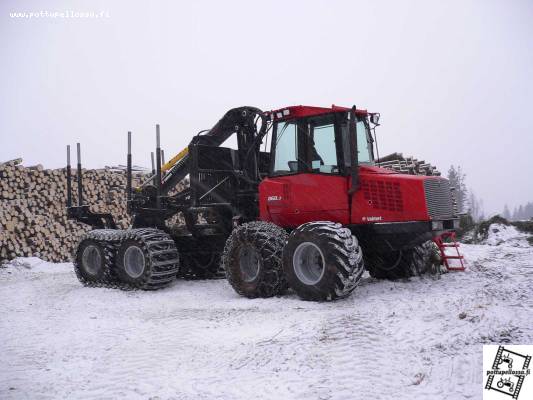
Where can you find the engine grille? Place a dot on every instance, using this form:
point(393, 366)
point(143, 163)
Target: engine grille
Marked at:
point(383, 195)
point(438, 198)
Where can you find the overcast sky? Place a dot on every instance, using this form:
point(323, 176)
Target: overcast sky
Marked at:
point(452, 79)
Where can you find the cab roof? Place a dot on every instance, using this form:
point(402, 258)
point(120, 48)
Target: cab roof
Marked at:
point(308, 111)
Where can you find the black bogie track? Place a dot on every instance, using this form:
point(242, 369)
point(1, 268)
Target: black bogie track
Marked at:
point(105, 241)
point(158, 255)
point(335, 249)
point(161, 260)
point(93, 260)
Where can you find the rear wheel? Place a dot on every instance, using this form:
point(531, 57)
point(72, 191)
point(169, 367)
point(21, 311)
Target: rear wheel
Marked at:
point(90, 265)
point(147, 259)
point(387, 265)
point(403, 264)
point(94, 257)
point(322, 261)
point(252, 259)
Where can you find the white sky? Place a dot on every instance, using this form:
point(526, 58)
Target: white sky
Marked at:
point(452, 79)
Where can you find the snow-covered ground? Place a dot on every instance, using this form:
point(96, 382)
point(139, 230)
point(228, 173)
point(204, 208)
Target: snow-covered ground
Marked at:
point(416, 339)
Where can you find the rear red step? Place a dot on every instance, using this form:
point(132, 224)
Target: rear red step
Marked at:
point(447, 240)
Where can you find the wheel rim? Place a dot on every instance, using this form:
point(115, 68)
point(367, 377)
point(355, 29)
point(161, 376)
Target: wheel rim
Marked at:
point(134, 262)
point(308, 262)
point(249, 263)
point(91, 260)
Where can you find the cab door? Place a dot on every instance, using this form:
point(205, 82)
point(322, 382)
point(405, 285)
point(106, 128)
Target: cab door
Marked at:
point(307, 182)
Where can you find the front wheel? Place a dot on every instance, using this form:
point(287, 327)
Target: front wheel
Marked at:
point(252, 259)
point(322, 261)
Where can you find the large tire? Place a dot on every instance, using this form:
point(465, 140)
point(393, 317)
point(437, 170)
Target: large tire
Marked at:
point(404, 264)
point(94, 257)
point(146, 259)
point(426, 259)
point(322, 261)
point(252, 259)
point(386, 265)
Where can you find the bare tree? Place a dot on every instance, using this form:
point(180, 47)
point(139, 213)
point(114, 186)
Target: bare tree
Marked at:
point(457, 177)
point(506, 213)
point(475, 207)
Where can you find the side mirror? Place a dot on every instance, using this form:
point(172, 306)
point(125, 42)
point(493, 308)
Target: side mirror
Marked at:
point(374, 118)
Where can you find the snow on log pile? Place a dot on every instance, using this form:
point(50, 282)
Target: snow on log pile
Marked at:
point(33, 220)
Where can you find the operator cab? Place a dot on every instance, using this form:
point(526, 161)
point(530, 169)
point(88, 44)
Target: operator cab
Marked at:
point(316, 140)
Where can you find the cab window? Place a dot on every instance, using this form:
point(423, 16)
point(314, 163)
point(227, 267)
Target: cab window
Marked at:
point(364, 147)
point(286, 156)
point(323, 150)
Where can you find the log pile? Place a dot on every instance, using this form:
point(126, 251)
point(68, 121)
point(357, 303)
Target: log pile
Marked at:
point(33, 219)
point(407, 165)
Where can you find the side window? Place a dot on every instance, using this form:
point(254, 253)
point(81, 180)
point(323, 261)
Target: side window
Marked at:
point(363, 148)
point(324, 152)
point(286, 159)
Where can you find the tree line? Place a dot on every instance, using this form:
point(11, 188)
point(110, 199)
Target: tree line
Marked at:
point(469, 203)
point(522, 212)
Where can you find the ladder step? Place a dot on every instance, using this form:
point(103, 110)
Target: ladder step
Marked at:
point(451, 243)
point(456, 268)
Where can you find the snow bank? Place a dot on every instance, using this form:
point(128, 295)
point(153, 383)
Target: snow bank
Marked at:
point(499, 234)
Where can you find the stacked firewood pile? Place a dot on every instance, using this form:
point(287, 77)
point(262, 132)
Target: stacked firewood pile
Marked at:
point(33, 220)
point(407, 165)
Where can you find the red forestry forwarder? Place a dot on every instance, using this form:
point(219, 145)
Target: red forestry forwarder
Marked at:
point(311, 214)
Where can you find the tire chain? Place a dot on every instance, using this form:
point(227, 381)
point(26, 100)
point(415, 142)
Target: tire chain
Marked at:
point(110, 240)
point(268, 235)
point(274, 237)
